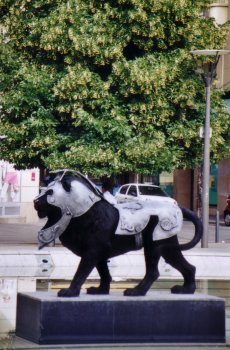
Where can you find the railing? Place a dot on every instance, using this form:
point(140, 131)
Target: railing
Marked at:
point(9, 209)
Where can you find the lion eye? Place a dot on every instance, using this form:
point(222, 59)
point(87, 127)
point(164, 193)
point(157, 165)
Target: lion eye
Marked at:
point(49, 192)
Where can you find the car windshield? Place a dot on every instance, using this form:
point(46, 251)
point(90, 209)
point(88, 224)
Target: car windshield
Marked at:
point(151, 191)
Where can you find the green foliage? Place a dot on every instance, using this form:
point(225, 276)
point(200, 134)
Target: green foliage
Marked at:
point(106, 86)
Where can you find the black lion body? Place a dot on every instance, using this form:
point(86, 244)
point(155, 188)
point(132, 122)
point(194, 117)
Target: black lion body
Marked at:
point(92, 237)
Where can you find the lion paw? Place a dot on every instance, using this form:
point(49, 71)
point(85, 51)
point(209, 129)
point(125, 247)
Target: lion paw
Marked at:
point(134, 292)
point(189, 289)
point(68, 292)
point(97, 291)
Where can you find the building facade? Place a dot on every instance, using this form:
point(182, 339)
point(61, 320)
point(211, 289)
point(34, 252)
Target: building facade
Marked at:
point(18, 188)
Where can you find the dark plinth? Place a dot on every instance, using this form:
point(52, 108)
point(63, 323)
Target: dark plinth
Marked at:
point(158, 317)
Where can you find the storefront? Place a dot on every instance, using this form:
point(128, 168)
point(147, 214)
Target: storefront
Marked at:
point(18, 188)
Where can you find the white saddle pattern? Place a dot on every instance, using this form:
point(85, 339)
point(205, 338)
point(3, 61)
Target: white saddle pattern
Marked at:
point(135, 216)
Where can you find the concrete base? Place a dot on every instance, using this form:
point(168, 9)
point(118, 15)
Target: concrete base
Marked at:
point(159, 317)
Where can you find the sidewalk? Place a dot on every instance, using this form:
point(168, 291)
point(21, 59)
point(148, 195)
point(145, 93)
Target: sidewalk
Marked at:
point(20, 233)
point(19, 254)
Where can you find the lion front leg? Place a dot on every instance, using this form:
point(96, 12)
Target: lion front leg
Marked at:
point(104, 286)
point(84, 269)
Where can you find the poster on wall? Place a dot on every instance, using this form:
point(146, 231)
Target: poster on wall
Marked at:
point(9, 183)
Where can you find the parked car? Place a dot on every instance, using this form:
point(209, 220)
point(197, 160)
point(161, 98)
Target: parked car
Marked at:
point(141, 192)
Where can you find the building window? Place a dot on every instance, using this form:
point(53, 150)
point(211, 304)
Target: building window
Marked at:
point(213, 185)
point(166, 183)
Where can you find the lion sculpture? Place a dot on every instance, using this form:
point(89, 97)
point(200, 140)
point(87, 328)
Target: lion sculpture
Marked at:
point(96, 230)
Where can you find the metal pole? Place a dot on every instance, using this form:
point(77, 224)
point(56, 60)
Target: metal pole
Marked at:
point(217, 235)
point(206, 167)
point(209, 72)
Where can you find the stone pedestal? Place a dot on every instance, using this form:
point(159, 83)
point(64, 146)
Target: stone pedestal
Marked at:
point(159, 317)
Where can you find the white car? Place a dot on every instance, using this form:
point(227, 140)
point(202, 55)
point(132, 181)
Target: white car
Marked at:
point(142, 192)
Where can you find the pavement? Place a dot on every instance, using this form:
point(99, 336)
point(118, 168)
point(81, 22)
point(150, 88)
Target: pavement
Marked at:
point(24, 234)
point(19, 252)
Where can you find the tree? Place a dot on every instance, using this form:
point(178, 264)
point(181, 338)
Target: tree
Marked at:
point(106, 86)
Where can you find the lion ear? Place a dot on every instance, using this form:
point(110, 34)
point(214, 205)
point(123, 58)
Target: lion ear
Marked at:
point(66, 185)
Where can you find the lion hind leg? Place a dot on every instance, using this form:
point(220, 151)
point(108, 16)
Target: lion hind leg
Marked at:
point(152, 253)
point(143, 287)
point(152, 256)
point(175, 258)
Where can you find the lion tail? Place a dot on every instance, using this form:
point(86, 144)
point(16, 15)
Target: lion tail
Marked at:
point(191, 216)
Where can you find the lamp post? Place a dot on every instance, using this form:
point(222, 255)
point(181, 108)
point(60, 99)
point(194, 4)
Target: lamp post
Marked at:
point(208, 73)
